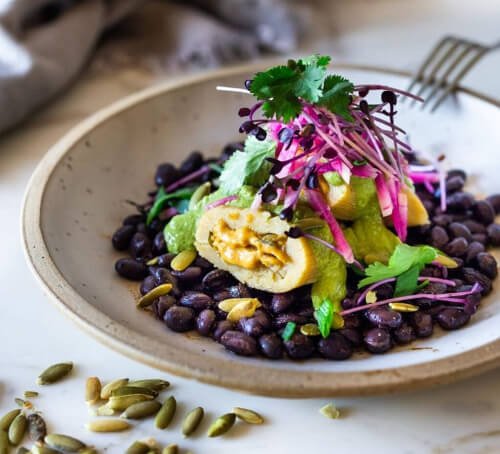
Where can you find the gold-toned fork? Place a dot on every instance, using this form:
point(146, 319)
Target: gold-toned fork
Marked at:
point(443, 69)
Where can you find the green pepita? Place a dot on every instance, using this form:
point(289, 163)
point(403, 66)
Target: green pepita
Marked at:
point(200, 192)
point(150, 297)
point(229, 304)
point(153, 261)
point(330, 411)
point(403, 307)
point(111, 386)
point(22, 450)
point(37, 429)
point(43, 450)
point(154, 384)
point(137, 447)
point(92, 390)
point(170, 449)
point(64, 443)
point(4, 442)
point(54, 373)
point(310, 329)
point(192, 421)
point(249, 416)
point(105, 410)
point(23, 403)
point(142, 410)
point(7, 419)
point(221, 425)
point(17, 429)
point(107, 425)
point(30, 394)
point(121, 403)
point(166, 413)
point(183, 259)
point(88, 450)
point(132, 390)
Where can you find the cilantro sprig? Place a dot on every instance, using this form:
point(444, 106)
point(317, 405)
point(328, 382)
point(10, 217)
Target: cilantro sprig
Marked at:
point(179, 199)
point(283, 87)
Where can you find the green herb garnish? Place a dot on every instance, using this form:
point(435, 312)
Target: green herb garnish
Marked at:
point(162, 198)
point(288, 331)
point(324, 317)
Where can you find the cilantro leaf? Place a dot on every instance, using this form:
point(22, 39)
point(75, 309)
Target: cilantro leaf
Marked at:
point(308, 86)
point(337, 96)
point(162, 198)
point(248, 166)
point(324, 317)
point(407, 283)
point(288, 331)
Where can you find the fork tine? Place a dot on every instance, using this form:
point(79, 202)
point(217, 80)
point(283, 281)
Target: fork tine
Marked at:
point(442, 82)
point(453, 85)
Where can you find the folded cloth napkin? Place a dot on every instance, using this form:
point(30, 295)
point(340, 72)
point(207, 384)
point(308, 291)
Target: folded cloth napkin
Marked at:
point(45, 43)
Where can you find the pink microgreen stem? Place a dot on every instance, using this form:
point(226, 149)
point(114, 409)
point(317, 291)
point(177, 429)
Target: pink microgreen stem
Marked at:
point(188, 178)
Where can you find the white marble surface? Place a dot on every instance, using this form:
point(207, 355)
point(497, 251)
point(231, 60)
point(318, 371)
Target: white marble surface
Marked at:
point(459, 418)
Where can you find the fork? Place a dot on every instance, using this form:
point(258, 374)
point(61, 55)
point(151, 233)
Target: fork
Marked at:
point(454, 57)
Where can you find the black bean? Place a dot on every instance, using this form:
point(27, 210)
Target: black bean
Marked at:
point(429, 205)
point(494, 234)
point(222, 295)
point(421, 323)
point(157, 225)
point(205, 322)
point(134, 219)
point(164, 260)
point(239, 343)
point(193, 162)
point(460, 201)
point(141, 247)
point(471, 276)
point(121, 238)
point(385, 291)
point(159, 245)
point(352, 335)
point(252, 326)
point(457, 230)
point(229, 149)
point(179, 319)
point(487, 264)
point(164, 276)
point(221, 327)
point(484, 212)
point(442, 220)
point(434, 288)
point(439, 237)
point(202, 263)
point(457, 173)
point(495, 202)
point(450, 319)
point(335, 346)
point(299, 346)
point(384, 318)
point(456, 247)
point(143, 228)
point(148, 284)
point(474, 226)
point(216, 279)
point(377, 340)
point(480, 238)
point(281, 302)
point(455, 183)
point(349, 303)
point(166, 174)
point(190, 274)
point(352, 321)
point(473, 250)
point(131, 269)
point(404, 334)
point(271, 345)
point(432, 271)
point(196, 300)
point(162, 305)
point(281, 320)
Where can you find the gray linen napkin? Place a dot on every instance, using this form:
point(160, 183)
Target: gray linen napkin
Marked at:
point(44, 44)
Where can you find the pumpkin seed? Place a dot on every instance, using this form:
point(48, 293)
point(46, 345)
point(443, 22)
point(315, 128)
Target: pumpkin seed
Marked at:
point(142, 410)
point(229, 304)
point(105, 410)
point(121, 403)
point(150, 297)
point(200, 192)
point(37, 429)
point(310, 329)
point(337, 321)
point(89, 450)
point(23, 403)
point(17, 429)
point(192, 421)
point(4, 442)
point(107, 425)
point(92, 390)
point(154, 384)
point(115, 384)
point(137, 447)
point(330, 411)
point(153, 261)
point(170, 449)
point(246, 309)
point(131, 390)
point(446, 261)
point(371, 297)
point(183, 259)
point(64, 443)
point(7, 419)
point(43, 450)
point(403, 307)
point(221, 425)
point(249, 416)
point(166, 413)
point(54, 373)
point(30, 394)
point(22, 450)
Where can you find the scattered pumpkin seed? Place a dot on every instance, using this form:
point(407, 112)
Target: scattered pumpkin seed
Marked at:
point(200, 192)
point(154, 384)
point(403, 307)
point(371, 297)
point(183, 259)
point(17, 429)
point(115, 384)
point(54, 373)
point(92, 390)
point(22, 450)
point(192, 421)
point(64, 443)
point(23, 403)
point(142, 410)
point(153, 261)
point(30, 394)
point(107, 425)
point(132, 390)
point(165, 415)
point(249, 416)
point(170, 449)
point(446, 261)
point(229, 304)
point(43, 450)
point(221, 425)
point(245, 309)
point(150, 297)
point(105, 410)
point(37, 429)
point(4, 442)
point(88, 450)
point(137, 447)
point(337, 321)
point(7, 419)
point(330, 411)
point(310, 329)
point(121, 403)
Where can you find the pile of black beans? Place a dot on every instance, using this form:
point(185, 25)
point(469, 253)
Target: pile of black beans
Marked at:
point(464, 232)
